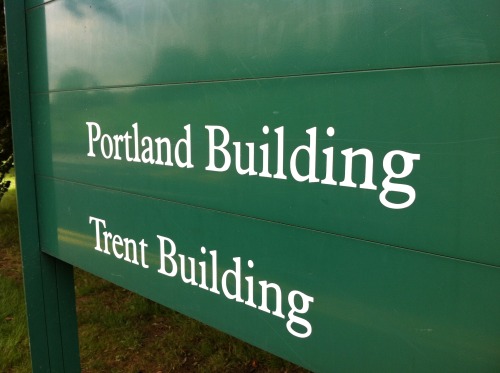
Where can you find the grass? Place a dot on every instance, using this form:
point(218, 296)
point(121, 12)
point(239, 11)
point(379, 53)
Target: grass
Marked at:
point(14, 346)
point(8, 217)
point(119, 331)
point(134, 334)
point(14, 349)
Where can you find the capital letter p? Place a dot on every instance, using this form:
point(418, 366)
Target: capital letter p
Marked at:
point(92, 139)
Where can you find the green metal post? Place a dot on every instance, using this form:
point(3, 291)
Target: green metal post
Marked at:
point(48, 282)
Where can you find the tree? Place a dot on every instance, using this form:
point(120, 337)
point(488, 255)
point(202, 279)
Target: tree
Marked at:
point(6, 150)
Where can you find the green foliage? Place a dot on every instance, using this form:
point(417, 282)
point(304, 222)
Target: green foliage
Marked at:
point(123, 332)
point(14, 347)
point(6, 153)
point(8, 218)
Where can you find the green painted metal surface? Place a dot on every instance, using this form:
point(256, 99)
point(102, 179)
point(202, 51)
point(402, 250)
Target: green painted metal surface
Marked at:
point(448, 116)
point(115, 43)
point(400, 310)
point(370, 203)
point(48, 282)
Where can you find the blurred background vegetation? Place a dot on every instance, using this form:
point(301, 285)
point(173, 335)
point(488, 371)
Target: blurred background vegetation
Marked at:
point(6, 157)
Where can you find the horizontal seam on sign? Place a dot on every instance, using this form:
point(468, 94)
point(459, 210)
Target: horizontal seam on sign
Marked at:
point(266, 77)
point(40, 5)
point(270, 221)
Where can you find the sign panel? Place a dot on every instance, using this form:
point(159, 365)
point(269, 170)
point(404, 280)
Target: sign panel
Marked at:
point(317, 178)
point(317, 299)
point(378, 155)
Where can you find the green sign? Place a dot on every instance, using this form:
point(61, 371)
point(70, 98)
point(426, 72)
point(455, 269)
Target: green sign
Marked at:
point(319, 179)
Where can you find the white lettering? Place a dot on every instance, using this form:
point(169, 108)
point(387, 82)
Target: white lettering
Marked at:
point(221, 148)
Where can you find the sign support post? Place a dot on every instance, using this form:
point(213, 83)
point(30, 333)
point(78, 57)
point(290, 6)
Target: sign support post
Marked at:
point(48, 282)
